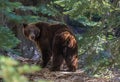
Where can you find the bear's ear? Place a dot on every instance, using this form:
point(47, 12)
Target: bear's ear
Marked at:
point(41, 24)
point(24, 25)
point(38, 24)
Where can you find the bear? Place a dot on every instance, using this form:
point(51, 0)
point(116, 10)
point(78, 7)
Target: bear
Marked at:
point(56, 40)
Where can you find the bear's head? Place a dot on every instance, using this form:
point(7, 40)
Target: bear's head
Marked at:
point(31, 31)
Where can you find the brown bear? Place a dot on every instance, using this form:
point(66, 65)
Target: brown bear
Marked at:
point(55, 40)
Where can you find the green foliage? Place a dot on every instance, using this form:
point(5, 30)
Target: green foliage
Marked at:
point(7, 9)
point(47, 10)
point(9, 6)
point(11, 71)
point(78, 9)
point(7, 38)
point(99, 43)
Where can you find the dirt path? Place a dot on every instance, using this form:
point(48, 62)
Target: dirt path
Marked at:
point(77, 76)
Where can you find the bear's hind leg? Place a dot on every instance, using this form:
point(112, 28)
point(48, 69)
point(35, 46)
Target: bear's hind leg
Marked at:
point(57, 61)
point(71, 59)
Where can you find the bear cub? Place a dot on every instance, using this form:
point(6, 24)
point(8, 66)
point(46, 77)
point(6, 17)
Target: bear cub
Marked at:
point(55, 40)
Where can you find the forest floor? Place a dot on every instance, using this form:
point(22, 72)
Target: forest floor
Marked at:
point(79, 76)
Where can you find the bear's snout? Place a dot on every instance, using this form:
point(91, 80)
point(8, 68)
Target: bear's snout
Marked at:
point(32, 37)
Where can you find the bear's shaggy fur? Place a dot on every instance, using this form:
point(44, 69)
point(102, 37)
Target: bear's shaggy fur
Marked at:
point(55, 40)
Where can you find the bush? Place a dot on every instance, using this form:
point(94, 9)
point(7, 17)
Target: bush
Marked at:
point(11, 71)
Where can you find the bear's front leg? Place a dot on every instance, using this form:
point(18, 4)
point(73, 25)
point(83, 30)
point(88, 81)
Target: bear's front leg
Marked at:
point(45, 57)
point(71, 58)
